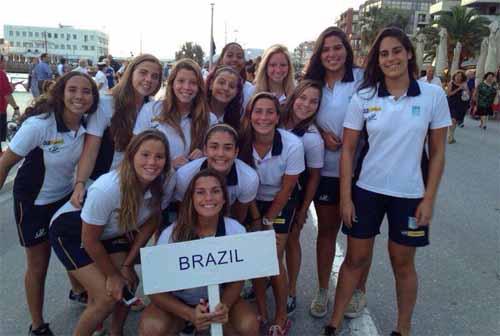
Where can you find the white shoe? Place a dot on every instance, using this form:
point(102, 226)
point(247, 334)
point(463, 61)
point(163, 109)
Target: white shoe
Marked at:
point(319, 305)
point(356, 305)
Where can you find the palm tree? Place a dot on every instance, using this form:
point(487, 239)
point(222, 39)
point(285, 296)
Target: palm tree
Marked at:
point(464, 25)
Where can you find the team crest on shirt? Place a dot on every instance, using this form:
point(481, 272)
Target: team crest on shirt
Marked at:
point(54, 146)
point(415, 110)
point(372, 109)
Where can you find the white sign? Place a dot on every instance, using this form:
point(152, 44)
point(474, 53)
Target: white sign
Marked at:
point(209, 261)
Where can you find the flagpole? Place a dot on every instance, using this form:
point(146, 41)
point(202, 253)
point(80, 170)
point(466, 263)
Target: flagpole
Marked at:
point(211, 38)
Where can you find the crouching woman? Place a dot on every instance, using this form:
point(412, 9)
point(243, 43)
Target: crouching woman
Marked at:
point(202, 214)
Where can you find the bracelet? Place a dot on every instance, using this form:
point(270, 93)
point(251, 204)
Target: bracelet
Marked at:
point(82, 182)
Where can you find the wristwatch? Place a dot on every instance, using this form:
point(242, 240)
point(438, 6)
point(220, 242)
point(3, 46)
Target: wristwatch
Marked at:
point(267, 221)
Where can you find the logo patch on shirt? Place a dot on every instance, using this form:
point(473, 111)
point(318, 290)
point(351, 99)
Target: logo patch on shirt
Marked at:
point(53, 142)
point(415, 111)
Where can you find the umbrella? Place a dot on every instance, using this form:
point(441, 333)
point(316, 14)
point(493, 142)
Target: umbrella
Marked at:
point(481, 61)
point(419, 50)
point(455, 63)
point(442, 53)
point(490, 64)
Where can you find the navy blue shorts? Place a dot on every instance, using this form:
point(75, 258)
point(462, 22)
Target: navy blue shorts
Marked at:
point(33, 221)
point(66, 240)
point(370, 211)
point(283, 222)
point(328, 191)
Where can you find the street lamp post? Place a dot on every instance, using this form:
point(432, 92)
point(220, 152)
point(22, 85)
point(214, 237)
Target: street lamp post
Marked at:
point(211, 36)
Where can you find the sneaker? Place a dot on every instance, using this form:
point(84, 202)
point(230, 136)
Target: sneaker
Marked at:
point(291, 305)
point(328, 330)
point(276, 330)
point(319, 305)
point(356, 305)
point(100, 330)
point(42, 330)
point(138, 305)
point(80, 298)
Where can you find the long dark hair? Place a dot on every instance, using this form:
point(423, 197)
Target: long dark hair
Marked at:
point(185, 229)
point(232, 112)
point(315, 69)
point(373, 74)
point(247, 133)
point(288, 110)
point(53, 100)
point(124, 98)
point(243, 73)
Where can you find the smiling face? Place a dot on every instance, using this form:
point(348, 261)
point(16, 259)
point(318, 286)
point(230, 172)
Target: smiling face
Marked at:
point(149, 161)
point(333, 54)
point(264, 117)
point(277, 67)
point(225, 87)
point(221, 151)
point(306, 104)
point(185, 86)
point(234, 57)
point(393, 58)
point(78, 96)
point(208, 197)
point(146, 78)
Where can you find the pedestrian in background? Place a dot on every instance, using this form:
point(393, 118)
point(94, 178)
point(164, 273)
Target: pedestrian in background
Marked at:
point(42, 72)
point(485, 96)
point(50, 140)
point(458, 100)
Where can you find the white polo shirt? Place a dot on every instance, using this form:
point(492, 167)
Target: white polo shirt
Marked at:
point(98, 125)
point(331, 115)
point(149, 117)
point(435, 80)
point(286, 157)
point(248, 89)
point(226, 227)
point(100, 78)
point(314, 146)
point(242, 180)
point(51, 152)
point(103, 202)
point(397, 130)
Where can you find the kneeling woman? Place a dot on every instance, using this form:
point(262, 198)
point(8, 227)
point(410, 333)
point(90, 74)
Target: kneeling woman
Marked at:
point(121, 212)
point(201, 215)
point(278, 156)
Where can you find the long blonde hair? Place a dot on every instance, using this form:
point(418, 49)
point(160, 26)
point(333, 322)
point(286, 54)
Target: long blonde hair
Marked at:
point(261, 78)
point(131, 190)
point(200, 116)
point(185, 229)
point(124, 98)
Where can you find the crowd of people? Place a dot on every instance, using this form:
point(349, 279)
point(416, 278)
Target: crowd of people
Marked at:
point(106, 171)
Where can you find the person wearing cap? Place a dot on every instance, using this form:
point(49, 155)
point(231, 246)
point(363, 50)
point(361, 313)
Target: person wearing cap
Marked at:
point(101, 79)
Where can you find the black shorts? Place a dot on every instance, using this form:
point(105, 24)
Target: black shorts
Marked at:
point(283, 222)
point(370, 210)
point(328, 191)
point(66, 240)
point(33, 220)
point(3, 126)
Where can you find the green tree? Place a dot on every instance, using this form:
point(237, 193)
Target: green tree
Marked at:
point(301, 54)
point(378, 18)
point(191, 50)
point(464, 25)
point(431, 42)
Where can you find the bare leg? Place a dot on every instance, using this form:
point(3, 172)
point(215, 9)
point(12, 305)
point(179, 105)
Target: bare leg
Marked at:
point(280, 282)
point(293, 260)
point(37, 258)
point(156, 322)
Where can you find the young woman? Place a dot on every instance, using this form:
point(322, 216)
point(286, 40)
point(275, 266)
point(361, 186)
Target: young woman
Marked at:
point(485, 96)
point(299, 116)
point(225, 95)
point(457, 91)
point(233, 55)
point(50, 140)
point(391, 181)
point(278, 156)
point(110, 129)
point(182, 116)
point(99, 244)
point(332, 65)
point(275, 73)
point(220, 150)
point(202, 214)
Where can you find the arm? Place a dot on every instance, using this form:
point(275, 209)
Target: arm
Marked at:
point(7, 161)
point(85, 167)
point(287, 185)
point(332, 141)
point(437, 139)
point(230, 295)
point(91, 242)
point(239, 211)
point(351, 138)
point(310, 191)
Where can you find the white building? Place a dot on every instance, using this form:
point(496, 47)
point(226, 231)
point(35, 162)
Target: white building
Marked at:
point(63, 41)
